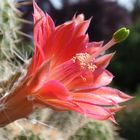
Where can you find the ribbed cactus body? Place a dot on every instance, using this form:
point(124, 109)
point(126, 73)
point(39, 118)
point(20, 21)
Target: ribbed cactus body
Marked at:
point(13, 50)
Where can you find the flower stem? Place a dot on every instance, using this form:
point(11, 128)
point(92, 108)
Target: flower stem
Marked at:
point(14, 106)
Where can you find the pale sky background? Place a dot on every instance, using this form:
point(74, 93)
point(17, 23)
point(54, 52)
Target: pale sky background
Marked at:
point(126, 3)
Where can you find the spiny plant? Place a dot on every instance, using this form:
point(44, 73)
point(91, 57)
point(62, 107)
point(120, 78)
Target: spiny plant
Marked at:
point(11, 38)
point(13, 50)
point(94, 130)
point(66, 82)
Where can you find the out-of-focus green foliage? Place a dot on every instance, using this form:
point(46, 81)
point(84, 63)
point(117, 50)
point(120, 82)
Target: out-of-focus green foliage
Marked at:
point(129, 119)
point(126, 63)
point(127, 68)
point(136, 11)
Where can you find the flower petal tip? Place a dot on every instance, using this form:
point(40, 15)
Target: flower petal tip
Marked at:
point(112, 118)
point(125, 96)
point(38, 13)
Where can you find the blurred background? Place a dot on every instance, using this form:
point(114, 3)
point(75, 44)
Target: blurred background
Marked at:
point(108, 16)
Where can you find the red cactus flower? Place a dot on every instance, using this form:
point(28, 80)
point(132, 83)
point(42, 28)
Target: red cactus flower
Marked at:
point(67, 71)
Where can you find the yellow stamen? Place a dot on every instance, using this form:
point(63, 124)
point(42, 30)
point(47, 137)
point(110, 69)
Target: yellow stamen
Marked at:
point(85, 61)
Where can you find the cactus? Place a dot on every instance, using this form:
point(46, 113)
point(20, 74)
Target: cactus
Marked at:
point(9, 27)
point(67, 126)
point(12, 48)
point(94, 130)
point(63, 126)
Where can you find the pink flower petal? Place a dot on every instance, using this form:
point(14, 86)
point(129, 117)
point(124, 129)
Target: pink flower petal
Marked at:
point(94, 111)
point(38, 77)
point(67, 72)
point(59, 105)
point(38, 13)
point(89, 80)
point(92, 99)
point(62, 37)
point(82, 28)
point(65, 41)
point(53, 89)
point(94, 46)
point(104, 60)
point(43, 29)
point(101, 77)
point(112, 94)
point(76, 45)
point(78, 18)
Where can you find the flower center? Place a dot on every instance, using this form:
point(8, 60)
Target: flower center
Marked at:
point(85, 61)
